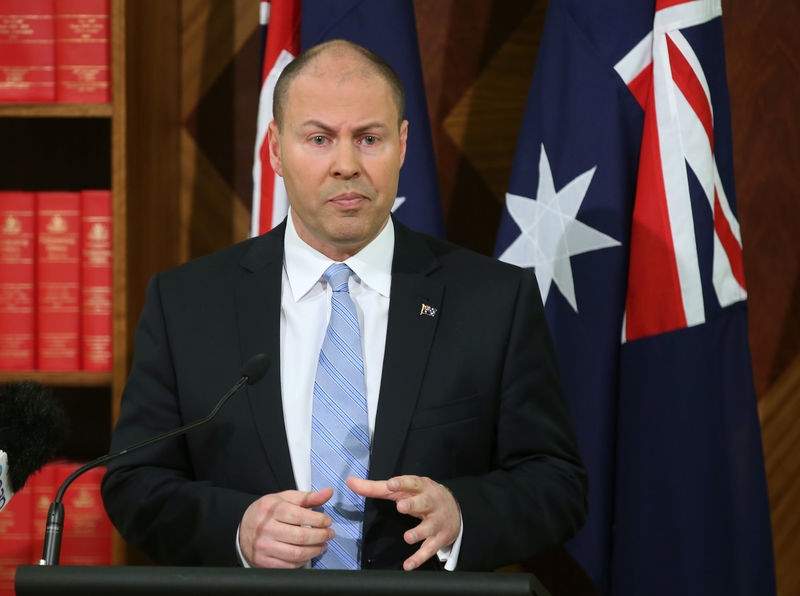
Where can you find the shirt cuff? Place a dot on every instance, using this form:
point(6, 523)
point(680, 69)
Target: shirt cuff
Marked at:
point(242, 561)
point(449, 554)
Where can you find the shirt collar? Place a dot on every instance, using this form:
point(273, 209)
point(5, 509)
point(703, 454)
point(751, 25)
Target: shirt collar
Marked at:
point(304, 265)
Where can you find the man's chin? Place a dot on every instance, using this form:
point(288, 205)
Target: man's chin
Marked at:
point(351, 240)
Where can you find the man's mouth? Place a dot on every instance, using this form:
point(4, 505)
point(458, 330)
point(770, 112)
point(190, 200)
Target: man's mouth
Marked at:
point(348, 200)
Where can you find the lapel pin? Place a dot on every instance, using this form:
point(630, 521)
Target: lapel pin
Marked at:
point(427, 310)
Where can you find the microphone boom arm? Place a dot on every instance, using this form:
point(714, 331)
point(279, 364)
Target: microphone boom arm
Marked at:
point(252, 372)
point(167, 435)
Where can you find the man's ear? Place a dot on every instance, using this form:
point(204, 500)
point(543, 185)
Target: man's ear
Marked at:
point(274, 144)
point(403, 141)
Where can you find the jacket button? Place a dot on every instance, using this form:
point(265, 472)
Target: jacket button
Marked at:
point(370, 562)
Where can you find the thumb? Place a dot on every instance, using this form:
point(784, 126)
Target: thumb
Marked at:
point(308, 499)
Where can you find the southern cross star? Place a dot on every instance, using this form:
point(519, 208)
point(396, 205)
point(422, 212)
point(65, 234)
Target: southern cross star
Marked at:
point(550, 232)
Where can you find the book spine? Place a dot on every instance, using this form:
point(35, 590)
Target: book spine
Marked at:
point(83, 50)
point(17, 276)
point(96, 280)
point(87, 530)
point(27, 51)
point(58, 281)
point(15, 538)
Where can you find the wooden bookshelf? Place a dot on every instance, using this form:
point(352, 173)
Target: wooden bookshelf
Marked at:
point(74, 146)
point(59, 379)
point(56, 110)
point(138, 146)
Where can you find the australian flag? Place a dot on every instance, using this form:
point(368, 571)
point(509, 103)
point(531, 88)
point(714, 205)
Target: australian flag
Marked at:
point(389, 29)
point(622, 200)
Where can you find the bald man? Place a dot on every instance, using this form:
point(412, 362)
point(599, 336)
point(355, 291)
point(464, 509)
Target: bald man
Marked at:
point(466, 458)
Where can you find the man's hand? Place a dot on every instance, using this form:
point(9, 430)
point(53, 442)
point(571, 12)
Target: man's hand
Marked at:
point(423, 498)
point(280, 530)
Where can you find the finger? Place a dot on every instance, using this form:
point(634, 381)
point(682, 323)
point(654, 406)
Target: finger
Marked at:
point(425, 529)
point(295, 515)
point(300, 535)
point(417, 505)
point(428, 549)
point(407, 484)
point(277, 554)
point(307, 499)
point(375, 489)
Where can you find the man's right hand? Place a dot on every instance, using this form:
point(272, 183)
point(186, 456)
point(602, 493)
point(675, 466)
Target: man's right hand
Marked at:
point(282, 531)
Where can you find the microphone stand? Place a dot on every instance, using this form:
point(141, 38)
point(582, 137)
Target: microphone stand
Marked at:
point(55, 515)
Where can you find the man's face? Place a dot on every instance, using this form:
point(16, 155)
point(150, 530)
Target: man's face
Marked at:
point(339, 151)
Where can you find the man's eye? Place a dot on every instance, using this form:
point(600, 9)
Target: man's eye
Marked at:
point(318, 140)
point(369, 140)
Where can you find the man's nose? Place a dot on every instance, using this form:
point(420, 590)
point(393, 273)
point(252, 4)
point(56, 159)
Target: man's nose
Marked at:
point(346, 162)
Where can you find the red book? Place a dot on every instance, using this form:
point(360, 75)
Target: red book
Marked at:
point(17, 276)
point(87, 530)
point(15, 538)
point(27, 51)
point(58, 274)
point(83, 50)
point(42, 486)
point(96, 280)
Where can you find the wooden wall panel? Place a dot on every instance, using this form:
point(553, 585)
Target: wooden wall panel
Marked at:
point(219, 101)
point(153, 118)
point(763, 55)
point(779, 409)
point(763, 61)
point(477, 61)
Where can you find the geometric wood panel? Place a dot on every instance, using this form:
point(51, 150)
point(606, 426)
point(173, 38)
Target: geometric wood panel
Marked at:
point(762, 50)
point(477, 61)
point(219, 101)
point(779, 410)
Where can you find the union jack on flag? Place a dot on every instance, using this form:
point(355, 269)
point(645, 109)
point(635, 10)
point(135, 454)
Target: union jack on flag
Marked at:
point(622, 200)
point(667, 79)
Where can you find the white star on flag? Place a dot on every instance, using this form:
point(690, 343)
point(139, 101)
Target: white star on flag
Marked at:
point(551, 234)
point(397, 202)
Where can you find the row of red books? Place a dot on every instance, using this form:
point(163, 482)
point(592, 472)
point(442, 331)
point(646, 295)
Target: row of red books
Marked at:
point(87, 536)
point(55, 281)
point(55, 50)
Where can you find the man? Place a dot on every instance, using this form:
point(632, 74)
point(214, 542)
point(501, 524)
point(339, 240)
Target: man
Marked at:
point(470, 459)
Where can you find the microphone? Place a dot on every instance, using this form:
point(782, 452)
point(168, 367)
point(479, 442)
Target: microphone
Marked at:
point(32, 427)
point(251, 373)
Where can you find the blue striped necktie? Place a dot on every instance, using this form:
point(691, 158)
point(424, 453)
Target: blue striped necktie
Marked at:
point(339, 425)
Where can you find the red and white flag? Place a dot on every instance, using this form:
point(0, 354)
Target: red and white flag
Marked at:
point(668, 79)
point(282, 19)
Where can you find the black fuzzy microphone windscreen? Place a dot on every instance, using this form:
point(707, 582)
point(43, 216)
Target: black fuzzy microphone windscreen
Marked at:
point(32, 427)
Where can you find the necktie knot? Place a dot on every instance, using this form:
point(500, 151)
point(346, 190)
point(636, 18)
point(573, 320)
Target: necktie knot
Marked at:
point(337, 276)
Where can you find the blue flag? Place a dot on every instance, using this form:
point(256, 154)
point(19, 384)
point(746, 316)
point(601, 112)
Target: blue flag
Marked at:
point(622, 199)
point(388, 28)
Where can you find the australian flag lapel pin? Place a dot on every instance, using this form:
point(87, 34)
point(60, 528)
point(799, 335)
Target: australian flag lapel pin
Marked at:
point(427, 310)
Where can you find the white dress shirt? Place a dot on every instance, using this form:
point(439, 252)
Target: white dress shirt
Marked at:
point(305, 310)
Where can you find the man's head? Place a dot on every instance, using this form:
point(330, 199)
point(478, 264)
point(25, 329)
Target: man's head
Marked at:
point(338, 141)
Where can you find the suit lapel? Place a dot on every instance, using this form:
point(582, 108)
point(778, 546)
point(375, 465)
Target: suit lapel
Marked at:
point(409, 336)
point(258, 302)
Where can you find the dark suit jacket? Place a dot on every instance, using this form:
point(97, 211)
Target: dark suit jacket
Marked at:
point(469, 397)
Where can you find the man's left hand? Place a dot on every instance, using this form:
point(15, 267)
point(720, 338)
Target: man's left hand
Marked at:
point(422, 498)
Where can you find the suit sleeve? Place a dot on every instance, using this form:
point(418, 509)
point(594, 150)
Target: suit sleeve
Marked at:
point(151, 495)
point(535, 495)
